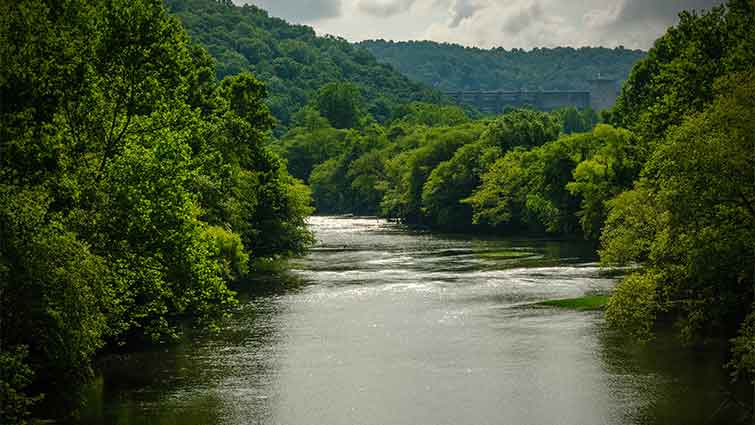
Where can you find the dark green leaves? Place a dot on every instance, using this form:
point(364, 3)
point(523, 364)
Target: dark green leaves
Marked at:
point(133, 188)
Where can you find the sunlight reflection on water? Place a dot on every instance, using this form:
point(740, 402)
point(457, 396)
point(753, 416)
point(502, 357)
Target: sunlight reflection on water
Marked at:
point(392, 326)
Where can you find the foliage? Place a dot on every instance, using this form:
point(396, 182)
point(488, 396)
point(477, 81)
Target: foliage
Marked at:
point(578, 120)
point(630, 227)
point(347, 182)
point(677, 77)
point(743, 349)
point(522, 128)
point(427, 165)
point(407, 171)
point(16, 376)
point(450, 67)
point(609, 171)
point(428, 114)
point(228, 250)
point(634, 305)
point(304, 148)
point(454, 180)
point(133, 188)
point(690, 218)
point(536, 188)
point(291, 60)
point(340, 104)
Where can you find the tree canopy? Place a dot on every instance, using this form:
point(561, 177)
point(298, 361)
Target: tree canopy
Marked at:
point(688, 218)
point(134, 189)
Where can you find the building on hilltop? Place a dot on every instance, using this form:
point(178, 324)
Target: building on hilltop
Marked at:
point(602, 95)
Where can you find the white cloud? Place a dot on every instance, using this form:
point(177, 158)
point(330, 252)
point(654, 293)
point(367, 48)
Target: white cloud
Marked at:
point(550, 23)
point(525, 17)
point(597, 19)
point(384, 8)
point(464, 9)
point(491, 23)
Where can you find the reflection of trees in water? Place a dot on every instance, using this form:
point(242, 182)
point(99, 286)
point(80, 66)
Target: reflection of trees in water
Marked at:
point(223, 377)
point(514, 252)
point(245, 359)
point(663, 382)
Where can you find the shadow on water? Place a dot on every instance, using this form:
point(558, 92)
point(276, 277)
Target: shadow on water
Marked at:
point(676, 384)
point(194, 381)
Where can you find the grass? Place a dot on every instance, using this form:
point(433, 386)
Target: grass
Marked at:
point(590, 302)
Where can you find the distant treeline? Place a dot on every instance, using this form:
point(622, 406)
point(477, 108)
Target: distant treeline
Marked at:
point(427, 164)
point(450, 67)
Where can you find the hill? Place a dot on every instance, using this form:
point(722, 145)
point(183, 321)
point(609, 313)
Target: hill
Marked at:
point(451, 67)
point(291, 60)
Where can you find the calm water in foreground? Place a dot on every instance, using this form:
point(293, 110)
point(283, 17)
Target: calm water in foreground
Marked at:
point(381, 325)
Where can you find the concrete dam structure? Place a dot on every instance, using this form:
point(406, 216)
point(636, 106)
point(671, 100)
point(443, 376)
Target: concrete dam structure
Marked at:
point(602, 95)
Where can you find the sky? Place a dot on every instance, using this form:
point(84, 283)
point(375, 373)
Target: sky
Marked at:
point(490, 23)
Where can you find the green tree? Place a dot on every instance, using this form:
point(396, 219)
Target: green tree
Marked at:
point(453, 181)
point(522, 128)
point(677, 77)
point(611, 170)
point(690, 220)
point(527, 189)
point(419, 113)
point(578, 121)
point(407, 172)
point(310, 142)
point(340, 104)
point(133, 188)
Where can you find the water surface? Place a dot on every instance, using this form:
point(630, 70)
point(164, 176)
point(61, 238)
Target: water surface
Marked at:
point(381, 325)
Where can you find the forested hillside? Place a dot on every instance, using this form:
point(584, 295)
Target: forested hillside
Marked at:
point(290, 59)
point(451, 67)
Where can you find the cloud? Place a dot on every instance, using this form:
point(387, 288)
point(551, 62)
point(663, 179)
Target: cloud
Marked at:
point(524, 18)
point(596, 19)
point(491, 23)
point(299, 10)
point(637, 23)
point(507, 23)
point(464, 9)
point(654, 10)
point(550, 23)
point(384, 8)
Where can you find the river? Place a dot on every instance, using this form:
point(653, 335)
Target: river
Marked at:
point(383, 325)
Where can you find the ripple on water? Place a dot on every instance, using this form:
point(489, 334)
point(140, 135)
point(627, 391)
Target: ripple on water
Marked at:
point(401, 327)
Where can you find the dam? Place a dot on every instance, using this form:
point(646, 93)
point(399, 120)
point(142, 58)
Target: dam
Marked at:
point(602, 95)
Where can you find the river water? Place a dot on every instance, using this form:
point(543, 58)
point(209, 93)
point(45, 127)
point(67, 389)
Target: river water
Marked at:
point(382, 325)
